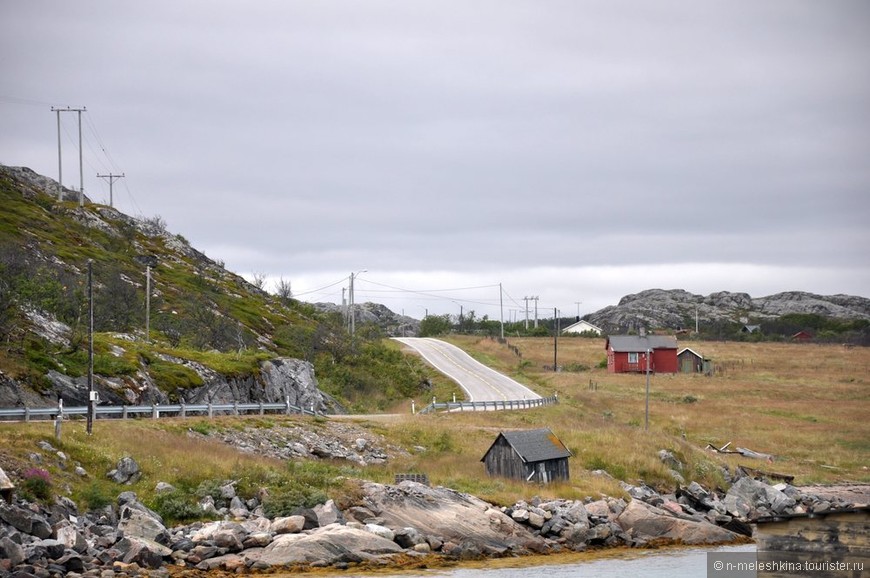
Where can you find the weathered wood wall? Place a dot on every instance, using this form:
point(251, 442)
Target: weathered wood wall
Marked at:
point(503, 461)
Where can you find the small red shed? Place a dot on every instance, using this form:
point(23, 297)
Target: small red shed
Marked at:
point(633, 353)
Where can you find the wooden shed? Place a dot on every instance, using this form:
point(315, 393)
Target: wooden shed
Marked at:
point(532, 455)
point(633, 353)
point(690, 361)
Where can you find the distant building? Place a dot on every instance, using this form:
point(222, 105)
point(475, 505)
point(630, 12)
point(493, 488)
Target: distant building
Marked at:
point(802, 336)
point(633, 353)
point(750, 329)
point(531, 455)
point(582, 327)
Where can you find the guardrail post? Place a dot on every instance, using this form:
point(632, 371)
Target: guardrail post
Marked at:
point(155, 413)
point(26, 413)
point(235, 408)
point(210, 411)
point(124, 412)
point(261, 408)
point(183, 410)
point(287, 404)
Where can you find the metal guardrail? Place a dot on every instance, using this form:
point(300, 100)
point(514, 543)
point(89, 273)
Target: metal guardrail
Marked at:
point(154, 410)
point(490, 405)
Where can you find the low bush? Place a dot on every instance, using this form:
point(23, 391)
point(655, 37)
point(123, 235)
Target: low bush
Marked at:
point(36, 484)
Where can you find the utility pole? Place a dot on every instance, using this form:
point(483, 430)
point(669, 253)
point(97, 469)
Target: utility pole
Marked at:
point(91, 400)
point(147, 303)
point(112, 178)
point(646, 416)
point(501, 309)
point(352, 302)
point(344, 304)
point(526, 299)
point(535, 299)
point(577, 303)
point(59, 110)
point(555, 339)
point(352, 319)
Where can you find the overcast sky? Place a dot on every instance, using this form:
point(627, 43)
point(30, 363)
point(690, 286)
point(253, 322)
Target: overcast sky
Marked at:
point(577, 151)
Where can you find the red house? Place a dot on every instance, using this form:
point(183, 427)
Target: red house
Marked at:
point(632, 353)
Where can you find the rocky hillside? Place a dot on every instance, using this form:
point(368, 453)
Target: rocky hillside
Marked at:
point(212, 335)
point(677, 309)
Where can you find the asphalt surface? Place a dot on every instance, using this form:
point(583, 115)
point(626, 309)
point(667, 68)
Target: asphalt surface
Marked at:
point(480, 382)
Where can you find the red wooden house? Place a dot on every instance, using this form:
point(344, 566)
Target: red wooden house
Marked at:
point(632, 353)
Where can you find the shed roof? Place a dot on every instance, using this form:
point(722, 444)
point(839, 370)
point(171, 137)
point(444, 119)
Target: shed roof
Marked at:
point(536, 445)
point(632, 343)
point(690, 351)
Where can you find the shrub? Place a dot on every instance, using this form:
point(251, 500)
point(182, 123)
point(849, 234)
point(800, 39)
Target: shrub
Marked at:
point(176, 506)
point(36, 483)
point(284, 501)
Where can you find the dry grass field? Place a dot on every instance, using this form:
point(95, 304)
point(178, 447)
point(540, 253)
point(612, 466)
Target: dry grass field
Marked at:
point(805, 404)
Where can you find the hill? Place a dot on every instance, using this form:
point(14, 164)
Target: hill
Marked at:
point(212, 336)
point(724, 312)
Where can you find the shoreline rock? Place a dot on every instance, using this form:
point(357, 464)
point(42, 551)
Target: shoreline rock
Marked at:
point(392, 525)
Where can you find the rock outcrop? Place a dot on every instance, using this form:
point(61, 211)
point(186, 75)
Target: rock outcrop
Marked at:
point(676, 308)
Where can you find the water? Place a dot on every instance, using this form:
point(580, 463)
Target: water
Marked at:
point(671, 563)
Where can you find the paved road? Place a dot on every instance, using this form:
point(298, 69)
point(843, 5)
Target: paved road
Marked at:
point(480, 382)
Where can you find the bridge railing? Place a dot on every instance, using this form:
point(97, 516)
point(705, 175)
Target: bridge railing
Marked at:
point(499, 405)
point(154, 410)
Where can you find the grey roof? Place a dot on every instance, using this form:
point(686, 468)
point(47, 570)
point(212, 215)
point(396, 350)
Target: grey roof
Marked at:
point(692, 351)
point(632, 343)
point(536, 445)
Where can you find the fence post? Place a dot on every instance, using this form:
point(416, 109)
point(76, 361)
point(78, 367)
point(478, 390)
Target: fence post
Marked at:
point(413, 408)
point(59, 419)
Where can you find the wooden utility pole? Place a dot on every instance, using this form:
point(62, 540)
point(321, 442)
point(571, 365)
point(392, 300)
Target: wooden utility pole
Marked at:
point(91, 394)
point(646, 418)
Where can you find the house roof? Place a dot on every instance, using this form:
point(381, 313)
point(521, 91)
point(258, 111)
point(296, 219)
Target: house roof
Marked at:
point(631, 343)
point(536, 445)
point(576, 327)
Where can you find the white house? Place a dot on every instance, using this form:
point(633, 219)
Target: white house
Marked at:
point(582, 327)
